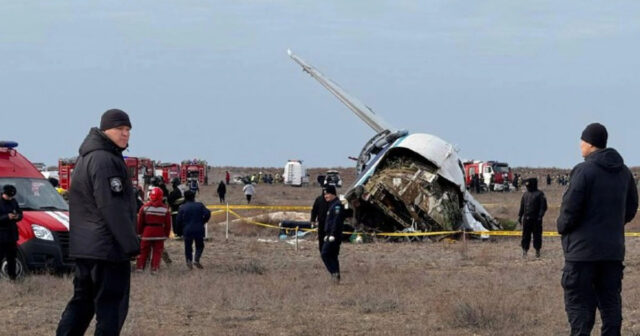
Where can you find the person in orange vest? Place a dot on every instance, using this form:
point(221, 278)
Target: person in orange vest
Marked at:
point(154, 225)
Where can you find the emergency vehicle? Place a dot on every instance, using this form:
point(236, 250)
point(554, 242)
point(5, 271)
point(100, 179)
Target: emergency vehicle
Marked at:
point(140, 170)
point(194, 169)
point(295, 174)
point(168, 171)
point(65, 169)
point(497, 176)
point(43, 241)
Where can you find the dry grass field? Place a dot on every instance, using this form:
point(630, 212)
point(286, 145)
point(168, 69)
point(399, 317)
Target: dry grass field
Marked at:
point(252, 287)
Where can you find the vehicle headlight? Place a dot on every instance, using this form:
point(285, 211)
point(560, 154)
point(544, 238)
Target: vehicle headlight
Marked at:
point(41, 232)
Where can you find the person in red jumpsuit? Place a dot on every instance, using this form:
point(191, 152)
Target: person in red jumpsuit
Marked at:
point(154, 225)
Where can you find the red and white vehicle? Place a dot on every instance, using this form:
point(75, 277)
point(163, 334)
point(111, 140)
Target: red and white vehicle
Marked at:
point(65, 169)
point(140, 170)
point(194, 169)
point(44, 229)
point(497, 176)
point(168, 171)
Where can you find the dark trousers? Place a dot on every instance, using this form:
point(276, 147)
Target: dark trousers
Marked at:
point(221, 198)
point(531, 227)
point(188, 248)
point(320, 239)
point(100, 288)
point(330, 252)
point(248, 199)
point(591, 285)
point(9, 250)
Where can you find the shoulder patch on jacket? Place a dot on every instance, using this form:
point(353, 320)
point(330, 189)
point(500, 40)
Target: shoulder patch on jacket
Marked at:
point(116, 184)
point(336, 209)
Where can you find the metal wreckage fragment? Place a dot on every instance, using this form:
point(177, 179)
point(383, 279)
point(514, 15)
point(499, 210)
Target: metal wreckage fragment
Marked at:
point(407, 182)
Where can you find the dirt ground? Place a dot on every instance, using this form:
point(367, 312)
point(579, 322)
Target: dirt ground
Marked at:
point(253, 284)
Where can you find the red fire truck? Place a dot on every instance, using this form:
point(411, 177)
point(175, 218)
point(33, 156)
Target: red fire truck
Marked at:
point(168, 171)
point(65, 169)
point(43, 232)
point(497, 176)
point(140, 170)
point(194, 169)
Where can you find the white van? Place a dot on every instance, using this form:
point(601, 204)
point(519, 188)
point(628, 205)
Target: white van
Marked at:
point(295, 174)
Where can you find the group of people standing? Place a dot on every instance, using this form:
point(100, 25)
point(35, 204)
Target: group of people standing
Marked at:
point(601, 198)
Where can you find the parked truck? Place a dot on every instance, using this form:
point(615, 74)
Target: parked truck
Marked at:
point(496, 176)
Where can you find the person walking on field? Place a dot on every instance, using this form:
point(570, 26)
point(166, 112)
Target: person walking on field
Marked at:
point(102, 210)
point(222, 191)
point(154, 226)
point(533, 206)
point(249, 191)
point(227, 177)
point(333, 232)
point(600, 199)
point(10, 214)
point(192, 217)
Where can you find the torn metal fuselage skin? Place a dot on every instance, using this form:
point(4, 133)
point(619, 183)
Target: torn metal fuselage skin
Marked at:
point(406, 182)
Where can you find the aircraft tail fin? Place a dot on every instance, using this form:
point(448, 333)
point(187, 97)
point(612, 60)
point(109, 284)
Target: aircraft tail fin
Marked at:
point(359, 108)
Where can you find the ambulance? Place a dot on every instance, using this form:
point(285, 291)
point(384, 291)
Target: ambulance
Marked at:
point(43, 242)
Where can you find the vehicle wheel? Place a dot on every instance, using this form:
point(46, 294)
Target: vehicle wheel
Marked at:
point(21, 267)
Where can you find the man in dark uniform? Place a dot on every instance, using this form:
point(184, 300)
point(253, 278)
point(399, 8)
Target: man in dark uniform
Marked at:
point(175, 199)
point(103, 239)
point(192, 217)
point(600, 199)
point(10, 214)
point(319, 216)
point(533, 205)
point(333, 232)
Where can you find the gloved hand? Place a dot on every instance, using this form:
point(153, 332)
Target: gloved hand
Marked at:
point(520, 219)
point(332, 239)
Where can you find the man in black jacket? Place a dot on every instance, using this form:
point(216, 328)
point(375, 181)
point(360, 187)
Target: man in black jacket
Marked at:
point(599, 201)
point(102, 230)
point(333, 232)
point(533, 205)
point(318, 217)
point(10, 214)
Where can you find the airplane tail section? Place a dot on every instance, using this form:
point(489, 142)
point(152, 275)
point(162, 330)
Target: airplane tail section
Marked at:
point(360, 109)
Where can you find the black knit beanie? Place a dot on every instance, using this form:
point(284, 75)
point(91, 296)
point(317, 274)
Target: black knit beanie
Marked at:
point(595, 134)
point(9, 190)
point(330, 189)
point(114, 118)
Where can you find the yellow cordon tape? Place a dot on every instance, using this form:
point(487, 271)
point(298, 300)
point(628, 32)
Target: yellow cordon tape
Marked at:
point(223, 208)
point(261, 207)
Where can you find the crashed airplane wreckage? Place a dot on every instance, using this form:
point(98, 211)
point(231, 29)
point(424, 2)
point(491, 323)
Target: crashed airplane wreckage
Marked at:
point(406, 182)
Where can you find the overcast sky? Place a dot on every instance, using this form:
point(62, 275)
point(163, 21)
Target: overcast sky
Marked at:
point(513, 81)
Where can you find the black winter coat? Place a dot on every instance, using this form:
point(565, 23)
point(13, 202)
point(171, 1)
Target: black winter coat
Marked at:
point(222, 189)
point(533, 206)
point(8, 227)
point(319, 213)
point(600, 199)
point(102, 203)
point(335, 219)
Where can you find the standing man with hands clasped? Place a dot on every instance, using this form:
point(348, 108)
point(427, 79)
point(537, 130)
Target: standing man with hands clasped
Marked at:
point(102, 208)
point(600, 199)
